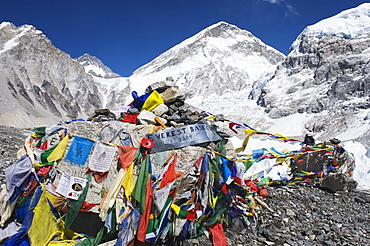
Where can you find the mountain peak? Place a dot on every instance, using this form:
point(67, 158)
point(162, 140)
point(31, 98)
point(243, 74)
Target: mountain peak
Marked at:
point(6, 24)
point(96, 67)
point(221, 24)
point(213, 56)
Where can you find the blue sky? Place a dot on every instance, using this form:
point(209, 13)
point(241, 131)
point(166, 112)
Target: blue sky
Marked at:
point(128, 34)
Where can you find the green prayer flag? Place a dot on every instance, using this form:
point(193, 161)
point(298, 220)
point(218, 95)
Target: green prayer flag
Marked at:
point(248, 164)
point(139, 192)
point(73, 207)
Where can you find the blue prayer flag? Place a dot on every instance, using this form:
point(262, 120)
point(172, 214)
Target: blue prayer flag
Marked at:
point(79, 151)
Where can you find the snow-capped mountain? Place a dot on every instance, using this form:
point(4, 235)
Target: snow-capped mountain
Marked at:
point(220, 58)
point(113, 88)
point(96, 67)
point(223, 69)
point(40, 83)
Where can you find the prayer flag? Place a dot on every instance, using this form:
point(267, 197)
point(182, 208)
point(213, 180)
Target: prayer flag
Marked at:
point(139, 192)
point(79, 151)
point(44, 225)
point(225, 170)
point(73, 207)
point(59, 150)
point(145, 216)
point(153, 100)
point(102, 157)
point(126, 156)
point(170, 175)
point(128, 181)
point(218, 235)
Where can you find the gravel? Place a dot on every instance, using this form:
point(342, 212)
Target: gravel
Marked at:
point(11, 140)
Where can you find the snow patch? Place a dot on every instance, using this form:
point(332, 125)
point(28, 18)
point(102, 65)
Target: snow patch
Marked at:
point(351, 23)
point(361, 172)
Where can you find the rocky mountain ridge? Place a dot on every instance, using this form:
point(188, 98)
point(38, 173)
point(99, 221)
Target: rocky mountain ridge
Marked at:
point(331, 64)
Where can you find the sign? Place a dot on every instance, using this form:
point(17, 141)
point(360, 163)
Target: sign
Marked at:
point(182, 136)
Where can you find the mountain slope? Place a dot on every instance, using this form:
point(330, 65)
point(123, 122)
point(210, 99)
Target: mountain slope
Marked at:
point(326, 74)
point(40, 83)
point(113, 88)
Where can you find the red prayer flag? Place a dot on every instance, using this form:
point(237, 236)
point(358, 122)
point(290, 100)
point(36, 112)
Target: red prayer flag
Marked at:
point(144, 218)
point(170, 175)
point(130, 117)
point(218, 236)
point(126, 155)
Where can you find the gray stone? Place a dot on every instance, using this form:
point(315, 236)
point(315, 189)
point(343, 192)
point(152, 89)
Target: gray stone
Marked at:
point(160, 110)
point(159, 86)
point(172, 94)
point(290, 212)
point(339, 182)
point(146, 117)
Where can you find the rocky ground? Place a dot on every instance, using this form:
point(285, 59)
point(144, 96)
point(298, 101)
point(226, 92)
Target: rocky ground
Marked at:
point(11, 140)
point(301, 215)
point(306, 215)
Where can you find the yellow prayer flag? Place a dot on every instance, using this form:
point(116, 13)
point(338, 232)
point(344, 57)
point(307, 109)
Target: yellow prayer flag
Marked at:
point(307, 173)
point(62, 243)
point(128, 181)
point(44, 226)
point(153, 100)
point(249, 133)
point(59, 150)
point(175, 208)
point(214, 202)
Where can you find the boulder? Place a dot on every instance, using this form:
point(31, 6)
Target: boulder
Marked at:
point(159, 86)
